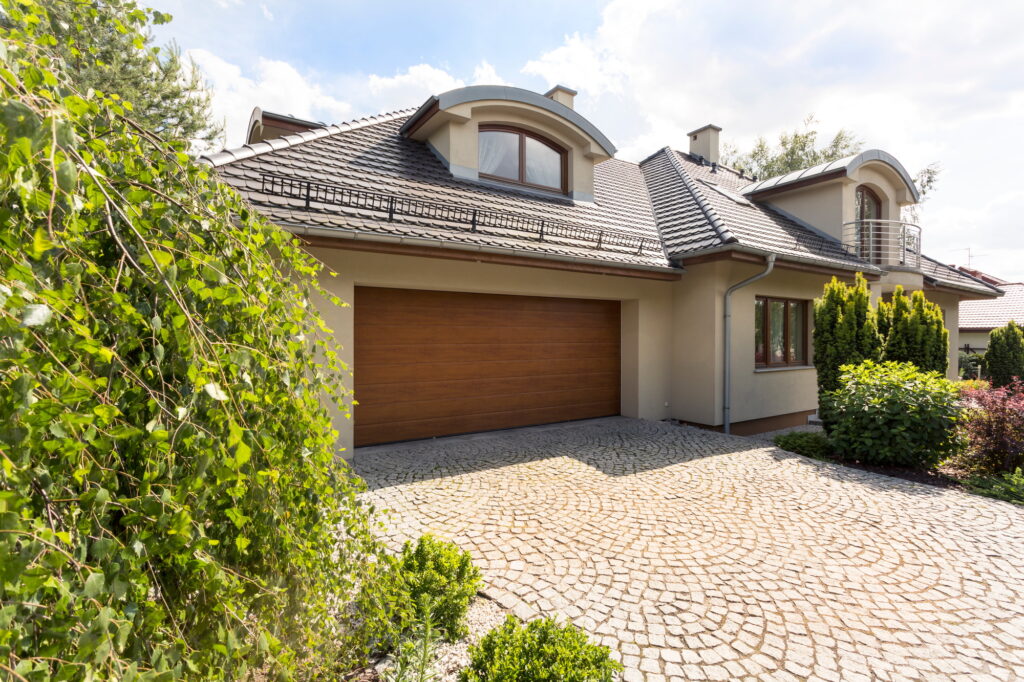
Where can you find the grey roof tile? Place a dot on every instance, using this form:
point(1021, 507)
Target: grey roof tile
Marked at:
point(940, 273)
point(993, 313)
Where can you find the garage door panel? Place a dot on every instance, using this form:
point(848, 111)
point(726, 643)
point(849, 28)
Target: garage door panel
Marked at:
point(436, 371)
point(439, 363)
point(480, 352)
point(416, 336)
point(442, 390)
point(384, 412)
point(428, 428)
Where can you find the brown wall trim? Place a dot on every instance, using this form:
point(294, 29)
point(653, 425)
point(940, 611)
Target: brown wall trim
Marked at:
point(742, 257)
point(427, 115)
point(481, 257)
point(752, 426)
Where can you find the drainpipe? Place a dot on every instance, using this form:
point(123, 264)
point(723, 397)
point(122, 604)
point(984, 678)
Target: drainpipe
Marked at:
point(727, 336)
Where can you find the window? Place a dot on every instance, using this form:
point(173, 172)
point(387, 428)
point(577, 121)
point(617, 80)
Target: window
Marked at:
point(780, 332)
point(517, 156)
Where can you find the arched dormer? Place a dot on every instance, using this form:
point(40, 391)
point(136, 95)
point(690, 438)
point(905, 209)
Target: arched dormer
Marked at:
point(536, 125)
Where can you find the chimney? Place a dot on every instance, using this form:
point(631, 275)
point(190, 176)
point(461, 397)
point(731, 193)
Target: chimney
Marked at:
point(562, 95)
point(704, 142)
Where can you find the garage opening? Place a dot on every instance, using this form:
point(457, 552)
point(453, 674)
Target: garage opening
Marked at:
point(438, 363)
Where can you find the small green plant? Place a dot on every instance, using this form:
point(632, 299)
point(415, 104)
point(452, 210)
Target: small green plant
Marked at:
point(894, 414)
point(444, 574)
point(542, 650)
point(1008, 487)
point(967, 385)
point(813, 444)
point(414, 660)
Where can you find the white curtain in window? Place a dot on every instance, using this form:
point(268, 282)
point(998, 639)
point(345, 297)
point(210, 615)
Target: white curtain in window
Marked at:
point(543, 164)
point(499, 154)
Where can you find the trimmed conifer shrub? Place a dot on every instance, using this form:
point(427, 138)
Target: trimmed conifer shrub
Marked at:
point(914, 331)
point(1004, 358)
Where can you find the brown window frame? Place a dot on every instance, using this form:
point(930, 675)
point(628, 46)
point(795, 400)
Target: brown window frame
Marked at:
point(766, 332)
point(562, 152)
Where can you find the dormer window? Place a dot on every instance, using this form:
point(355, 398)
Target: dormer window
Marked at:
point(518, 156)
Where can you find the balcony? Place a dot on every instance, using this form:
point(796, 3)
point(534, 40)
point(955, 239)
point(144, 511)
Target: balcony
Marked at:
point(886, 243)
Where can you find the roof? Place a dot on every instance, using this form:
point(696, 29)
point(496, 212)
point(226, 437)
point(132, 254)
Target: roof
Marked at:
point(364, 180)
point(824, 171)
point(476, 93)
point(937, 273)
point(700, 208)
point(354, 169)
point(993, 313)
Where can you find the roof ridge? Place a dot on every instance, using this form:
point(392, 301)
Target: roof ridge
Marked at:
point(717, 225)
point(247, 151)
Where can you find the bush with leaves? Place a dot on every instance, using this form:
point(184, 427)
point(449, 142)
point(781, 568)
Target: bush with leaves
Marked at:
point(171, 502)
point(993, 428)
point(1008, 487)
point(813, 444)
point(541, 651)
point(1004, 357)
point(844, 333)
point(972, 365)
point(913, 331)
point(894, 414)
point(441, 575)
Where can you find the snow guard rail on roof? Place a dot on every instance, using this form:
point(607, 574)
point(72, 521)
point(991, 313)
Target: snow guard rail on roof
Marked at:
point(477, 220)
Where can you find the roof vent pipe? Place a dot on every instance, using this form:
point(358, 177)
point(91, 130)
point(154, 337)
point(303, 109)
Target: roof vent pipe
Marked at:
point(727, 342)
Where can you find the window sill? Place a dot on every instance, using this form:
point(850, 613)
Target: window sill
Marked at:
point(783, 368)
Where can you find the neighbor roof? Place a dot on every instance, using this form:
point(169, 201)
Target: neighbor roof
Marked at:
point(993, 313)
point(824, 171)
point(937, 273)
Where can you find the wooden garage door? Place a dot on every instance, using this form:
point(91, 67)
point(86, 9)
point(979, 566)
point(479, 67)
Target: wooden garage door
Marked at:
point(434, 363)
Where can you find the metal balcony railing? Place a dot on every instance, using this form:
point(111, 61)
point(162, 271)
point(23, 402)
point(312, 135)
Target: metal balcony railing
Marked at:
point(884, 242)
point(318, 195)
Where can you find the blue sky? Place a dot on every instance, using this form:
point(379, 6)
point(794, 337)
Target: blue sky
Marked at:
point(927, 81)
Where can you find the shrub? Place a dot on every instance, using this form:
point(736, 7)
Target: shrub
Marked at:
point(813, 444)
point(1004, 357)
point(993, 427)
point(171, 501)
point(1008, 487)
point(972, 365)
point(441, 577)
point(972, 385)
point(542, 650)
point(914, 331)
point(894, 414)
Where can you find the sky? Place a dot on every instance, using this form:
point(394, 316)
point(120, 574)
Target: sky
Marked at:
point(934, 81)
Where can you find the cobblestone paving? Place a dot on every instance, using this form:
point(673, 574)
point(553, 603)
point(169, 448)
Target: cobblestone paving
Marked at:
point(701, 556)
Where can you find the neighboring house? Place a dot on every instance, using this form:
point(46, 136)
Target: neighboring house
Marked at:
point(978, 318)
point(504, 269)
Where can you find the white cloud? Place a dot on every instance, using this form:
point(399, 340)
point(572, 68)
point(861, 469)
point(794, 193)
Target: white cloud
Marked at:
point(410, 88)
point(485, 74)
point(276, 86)
point(929, 83)
point(267, 14)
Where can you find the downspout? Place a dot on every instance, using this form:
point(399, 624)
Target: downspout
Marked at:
point(727, 336)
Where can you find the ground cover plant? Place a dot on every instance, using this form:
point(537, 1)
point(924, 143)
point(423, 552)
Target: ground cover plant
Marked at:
point(439, 578)
point(813, 444)
point(171, 503)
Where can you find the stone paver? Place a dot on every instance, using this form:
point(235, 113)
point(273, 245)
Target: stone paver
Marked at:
point(701, 556)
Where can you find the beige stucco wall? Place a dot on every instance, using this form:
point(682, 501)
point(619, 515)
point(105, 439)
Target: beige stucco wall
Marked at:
point(698, 345)
point(978, 341)
point(818, 205)
point(646, 311)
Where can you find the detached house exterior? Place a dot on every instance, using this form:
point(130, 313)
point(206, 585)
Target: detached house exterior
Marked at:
point(504, 269)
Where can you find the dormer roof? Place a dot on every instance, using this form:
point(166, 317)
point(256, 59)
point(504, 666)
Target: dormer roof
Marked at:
point(822, 172)
point(478, 93)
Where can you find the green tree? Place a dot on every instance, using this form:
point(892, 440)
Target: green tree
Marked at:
point(171, 501)
point(167, 93)
point(795, 150)
point(844, 332)
point(1004, 357)
point(914, 331)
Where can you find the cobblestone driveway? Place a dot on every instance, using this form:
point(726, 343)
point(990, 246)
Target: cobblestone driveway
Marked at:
point(699, 556)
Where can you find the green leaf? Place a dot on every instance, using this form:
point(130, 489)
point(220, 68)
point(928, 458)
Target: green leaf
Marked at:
point(214, 390)
point(94, 584)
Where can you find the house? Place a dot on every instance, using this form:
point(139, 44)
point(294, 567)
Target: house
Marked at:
point(505, 269)
point(979, 317)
